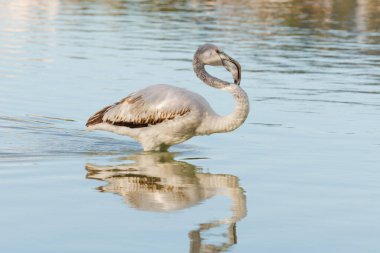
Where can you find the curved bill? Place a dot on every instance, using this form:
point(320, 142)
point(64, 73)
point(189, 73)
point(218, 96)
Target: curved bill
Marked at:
point(232, 66)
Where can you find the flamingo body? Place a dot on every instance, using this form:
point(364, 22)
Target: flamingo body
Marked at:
point(164, 115)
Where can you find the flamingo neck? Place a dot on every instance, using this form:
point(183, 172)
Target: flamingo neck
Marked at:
point(200, 71)
point(214, 123)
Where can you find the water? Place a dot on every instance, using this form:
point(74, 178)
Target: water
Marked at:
point(301, 175)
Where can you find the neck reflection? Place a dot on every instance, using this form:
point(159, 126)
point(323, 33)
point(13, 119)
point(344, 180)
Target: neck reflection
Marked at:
point(156, 182)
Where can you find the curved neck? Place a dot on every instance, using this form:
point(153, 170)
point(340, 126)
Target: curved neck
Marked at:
point(199, 69)
point(213, 123)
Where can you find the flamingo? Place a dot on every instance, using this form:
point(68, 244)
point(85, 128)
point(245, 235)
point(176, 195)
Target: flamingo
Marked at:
point(160, 116)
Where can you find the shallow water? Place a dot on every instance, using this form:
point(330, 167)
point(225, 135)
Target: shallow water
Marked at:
point(301, 175)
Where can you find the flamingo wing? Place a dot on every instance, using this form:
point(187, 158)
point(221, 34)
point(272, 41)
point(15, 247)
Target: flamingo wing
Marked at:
point(146, 107)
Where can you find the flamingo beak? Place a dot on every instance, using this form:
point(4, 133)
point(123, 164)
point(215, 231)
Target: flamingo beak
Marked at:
point(232, 66)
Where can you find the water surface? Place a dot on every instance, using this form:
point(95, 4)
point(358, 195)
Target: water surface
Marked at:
point(301, 175)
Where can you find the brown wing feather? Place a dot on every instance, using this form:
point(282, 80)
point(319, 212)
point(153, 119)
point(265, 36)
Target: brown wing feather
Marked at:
point(148, 121)
point(157, 118)
point(97, 117)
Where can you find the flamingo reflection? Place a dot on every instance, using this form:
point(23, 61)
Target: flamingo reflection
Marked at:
point(157, 182)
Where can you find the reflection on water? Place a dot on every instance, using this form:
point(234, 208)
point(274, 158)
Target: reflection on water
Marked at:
point(156, 182)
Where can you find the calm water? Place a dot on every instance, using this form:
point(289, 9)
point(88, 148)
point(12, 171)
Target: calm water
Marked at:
point(301, 175)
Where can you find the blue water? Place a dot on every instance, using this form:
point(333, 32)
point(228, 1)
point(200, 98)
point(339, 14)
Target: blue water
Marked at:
point(301, 174)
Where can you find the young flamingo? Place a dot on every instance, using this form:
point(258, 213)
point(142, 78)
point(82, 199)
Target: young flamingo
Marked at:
point(160, 116)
